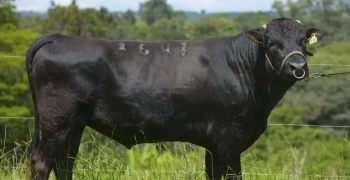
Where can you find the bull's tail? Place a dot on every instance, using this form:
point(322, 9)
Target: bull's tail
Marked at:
point(47, 39)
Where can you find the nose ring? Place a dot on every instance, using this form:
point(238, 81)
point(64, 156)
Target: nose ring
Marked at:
point(299, 77)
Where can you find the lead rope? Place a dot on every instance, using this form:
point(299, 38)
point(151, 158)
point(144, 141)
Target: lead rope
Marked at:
point(311, 75)
point(321, 75)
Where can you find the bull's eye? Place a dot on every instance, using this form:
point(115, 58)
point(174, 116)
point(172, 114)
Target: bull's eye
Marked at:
point(273, 45)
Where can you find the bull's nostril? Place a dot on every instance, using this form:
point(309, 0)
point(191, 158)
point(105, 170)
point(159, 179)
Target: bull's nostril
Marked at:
point(292, 67)
point(297, 66)
point(304, 65)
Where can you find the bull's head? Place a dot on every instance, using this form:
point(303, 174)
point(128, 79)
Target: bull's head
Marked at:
point(284, 41)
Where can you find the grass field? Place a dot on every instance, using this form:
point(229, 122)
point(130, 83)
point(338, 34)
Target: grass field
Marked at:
point(101, 158)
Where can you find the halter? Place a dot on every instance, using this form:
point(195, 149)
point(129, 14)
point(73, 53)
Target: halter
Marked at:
point(279, 72)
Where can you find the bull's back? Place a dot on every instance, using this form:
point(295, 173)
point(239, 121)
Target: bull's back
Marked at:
point(164, 63)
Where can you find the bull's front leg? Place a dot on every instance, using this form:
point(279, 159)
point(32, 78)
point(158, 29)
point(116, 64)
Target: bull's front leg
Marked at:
point(220, 165)
point(223, 158)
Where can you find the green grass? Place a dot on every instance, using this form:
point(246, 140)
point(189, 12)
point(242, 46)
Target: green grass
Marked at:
point(102, 158)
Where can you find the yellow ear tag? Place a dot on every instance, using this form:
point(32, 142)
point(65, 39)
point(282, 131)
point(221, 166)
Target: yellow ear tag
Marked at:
point(313, 39)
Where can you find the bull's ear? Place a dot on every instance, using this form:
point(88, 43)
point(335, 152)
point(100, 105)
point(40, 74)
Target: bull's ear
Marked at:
point(254, 36)
point(313, 31)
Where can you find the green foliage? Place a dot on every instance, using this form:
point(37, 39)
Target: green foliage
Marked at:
point(130, 17)
point(7, 12)
point(247, 21)
point(33, 22)
point(318, 159)
point(86, 22)
point(323, 104)
point(154, 10)
point(167, 30)
point(15, 101)
point(297, 150)
point(14, 92)
point(220, 24)
point(14, 40)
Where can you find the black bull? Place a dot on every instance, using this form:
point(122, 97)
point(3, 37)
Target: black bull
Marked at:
point(214, 92)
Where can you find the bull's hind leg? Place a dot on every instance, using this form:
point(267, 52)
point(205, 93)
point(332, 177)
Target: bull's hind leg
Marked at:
point(63, 165)
point(58, 153)
point(62, 121)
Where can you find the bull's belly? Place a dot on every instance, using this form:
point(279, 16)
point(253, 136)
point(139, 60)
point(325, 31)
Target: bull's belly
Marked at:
point(129, 130)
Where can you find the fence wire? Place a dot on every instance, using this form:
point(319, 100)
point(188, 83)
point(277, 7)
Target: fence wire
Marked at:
point(272, 124)
point(336, 65)
point(12, 117)
point(12, 56)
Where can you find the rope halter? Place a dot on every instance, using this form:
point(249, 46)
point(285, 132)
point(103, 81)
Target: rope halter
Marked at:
point(279, 72)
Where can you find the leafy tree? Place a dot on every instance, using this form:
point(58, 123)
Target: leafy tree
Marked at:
point(245, 21)
point(220, 24)
point(154, 10)
point(61, 19)
point(124, 32)
point(7, 12)
point(130, 17)
point(33, 22)
point(167, 30)
point(86, 22)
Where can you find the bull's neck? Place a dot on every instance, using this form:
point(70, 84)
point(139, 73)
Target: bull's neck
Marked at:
point(277, 88)
point(250, 57)
point(272, 87)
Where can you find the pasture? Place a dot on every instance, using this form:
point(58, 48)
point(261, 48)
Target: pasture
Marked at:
point(291, 155)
